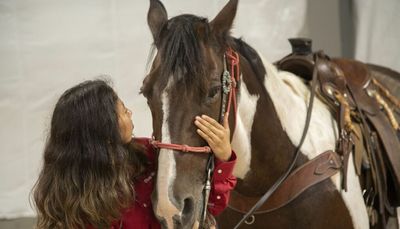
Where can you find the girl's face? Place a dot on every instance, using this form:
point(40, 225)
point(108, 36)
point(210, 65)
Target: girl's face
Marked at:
point(124, 121)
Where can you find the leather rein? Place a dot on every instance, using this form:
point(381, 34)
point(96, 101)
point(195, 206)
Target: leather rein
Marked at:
point(283, 177)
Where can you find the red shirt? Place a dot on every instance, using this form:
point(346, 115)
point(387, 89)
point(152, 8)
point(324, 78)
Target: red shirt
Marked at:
point(141, 214)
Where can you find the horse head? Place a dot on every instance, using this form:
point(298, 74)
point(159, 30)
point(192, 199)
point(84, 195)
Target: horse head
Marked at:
point(184, 81)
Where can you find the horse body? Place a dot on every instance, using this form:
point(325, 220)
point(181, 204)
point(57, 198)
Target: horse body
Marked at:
point(184, 81)
point(284, 106)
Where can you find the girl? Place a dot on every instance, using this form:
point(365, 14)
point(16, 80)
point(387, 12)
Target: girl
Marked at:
point(95, 175)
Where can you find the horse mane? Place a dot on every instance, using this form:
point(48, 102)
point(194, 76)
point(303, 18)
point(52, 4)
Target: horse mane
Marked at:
point(252, 57)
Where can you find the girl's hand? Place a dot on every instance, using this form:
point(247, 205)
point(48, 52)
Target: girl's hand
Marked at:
point(216, 135)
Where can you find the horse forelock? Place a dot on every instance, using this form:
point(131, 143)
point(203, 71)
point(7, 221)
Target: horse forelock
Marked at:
point(182, 52)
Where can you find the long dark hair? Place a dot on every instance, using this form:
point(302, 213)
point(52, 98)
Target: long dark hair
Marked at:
point(87, 172)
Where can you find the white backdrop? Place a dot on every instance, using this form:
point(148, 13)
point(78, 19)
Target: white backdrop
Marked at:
point(378, 32)
point(47, 46)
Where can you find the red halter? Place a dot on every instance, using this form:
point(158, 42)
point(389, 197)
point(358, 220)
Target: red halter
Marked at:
point(234, 79)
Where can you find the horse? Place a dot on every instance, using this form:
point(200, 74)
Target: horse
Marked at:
point(184, 81)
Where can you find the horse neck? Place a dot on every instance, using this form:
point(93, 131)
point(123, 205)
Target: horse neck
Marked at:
point(272, 112)
point(263, 147)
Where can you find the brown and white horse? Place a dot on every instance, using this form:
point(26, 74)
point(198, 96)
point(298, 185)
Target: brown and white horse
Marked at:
point(185, 81)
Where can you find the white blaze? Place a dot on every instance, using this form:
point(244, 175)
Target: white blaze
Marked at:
point(166, 171)
point(290, 97)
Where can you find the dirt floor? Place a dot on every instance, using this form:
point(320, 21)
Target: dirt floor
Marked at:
point(20, 223)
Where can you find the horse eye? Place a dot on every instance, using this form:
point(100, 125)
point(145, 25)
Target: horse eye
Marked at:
point(213, 91)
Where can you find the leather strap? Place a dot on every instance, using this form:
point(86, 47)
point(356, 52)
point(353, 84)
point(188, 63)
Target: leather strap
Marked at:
point(207, 189)
point(390, 143)
point(358, 148)
point(387, 134)
point(344, 145)
point(311, 173)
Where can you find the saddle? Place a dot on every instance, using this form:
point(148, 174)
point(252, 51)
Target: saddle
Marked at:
point(365, 122)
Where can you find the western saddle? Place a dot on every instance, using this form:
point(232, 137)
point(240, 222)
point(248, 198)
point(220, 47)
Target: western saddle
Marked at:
point(366, 124)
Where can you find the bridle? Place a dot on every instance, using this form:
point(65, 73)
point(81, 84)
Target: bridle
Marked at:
point(229, 80)
point(229, 86)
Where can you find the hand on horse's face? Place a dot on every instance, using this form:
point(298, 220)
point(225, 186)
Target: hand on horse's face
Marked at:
point(216, 135)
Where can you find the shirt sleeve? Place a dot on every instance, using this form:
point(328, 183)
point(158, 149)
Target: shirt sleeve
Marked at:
point(221, 184)
point(149, 149)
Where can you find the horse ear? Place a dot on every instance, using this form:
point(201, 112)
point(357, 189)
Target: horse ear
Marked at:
point(222, 23)
point(156, 17)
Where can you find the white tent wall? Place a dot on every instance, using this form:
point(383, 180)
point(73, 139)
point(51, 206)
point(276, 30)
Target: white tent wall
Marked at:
point(48, 46)
point(378, 33)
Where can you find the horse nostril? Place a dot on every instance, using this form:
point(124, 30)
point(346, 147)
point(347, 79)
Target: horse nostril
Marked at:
point(187, 211)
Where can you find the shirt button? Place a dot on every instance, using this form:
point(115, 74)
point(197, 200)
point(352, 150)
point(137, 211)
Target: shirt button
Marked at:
point(218, 197)
point(145, 205)
point(219, 171)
